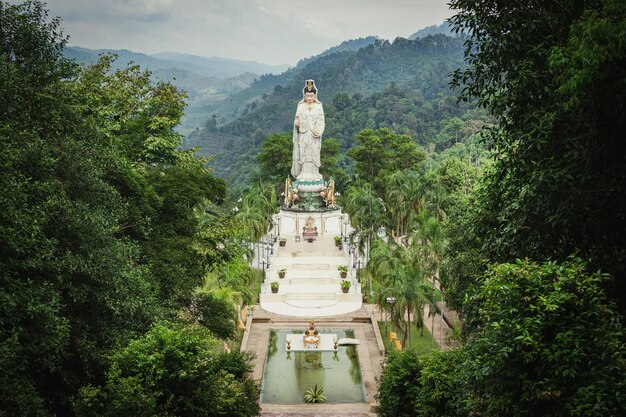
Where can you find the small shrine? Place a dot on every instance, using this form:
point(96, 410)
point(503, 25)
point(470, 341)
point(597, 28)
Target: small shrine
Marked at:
point(311, 340)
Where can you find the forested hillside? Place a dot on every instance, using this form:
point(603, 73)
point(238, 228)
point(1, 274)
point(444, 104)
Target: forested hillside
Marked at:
point(403, 86)
point(240, 103)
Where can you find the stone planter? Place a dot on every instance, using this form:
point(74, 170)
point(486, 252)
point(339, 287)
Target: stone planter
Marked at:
point(343, 274)
point(345, 290)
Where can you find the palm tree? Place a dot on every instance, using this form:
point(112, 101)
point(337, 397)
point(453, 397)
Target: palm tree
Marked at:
point(398, 269)
point(366, 212)
point(398, 196)
point(255, 215)
point(410, 288)
point(428, 239)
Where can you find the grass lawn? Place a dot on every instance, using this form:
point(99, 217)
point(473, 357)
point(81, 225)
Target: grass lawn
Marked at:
point(421, 344)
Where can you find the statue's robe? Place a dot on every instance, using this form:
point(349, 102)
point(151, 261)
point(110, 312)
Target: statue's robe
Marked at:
point(307, 141)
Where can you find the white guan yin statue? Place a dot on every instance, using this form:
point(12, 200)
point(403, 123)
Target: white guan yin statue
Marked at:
point(308, 127)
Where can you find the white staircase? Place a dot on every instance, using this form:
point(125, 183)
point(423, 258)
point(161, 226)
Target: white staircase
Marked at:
point(312, 285)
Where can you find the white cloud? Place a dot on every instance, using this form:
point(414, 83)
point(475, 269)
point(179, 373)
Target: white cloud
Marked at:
point(270, 31)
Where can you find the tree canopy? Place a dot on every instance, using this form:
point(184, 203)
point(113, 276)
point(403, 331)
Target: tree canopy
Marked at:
point(553, 75)
point(100, 236)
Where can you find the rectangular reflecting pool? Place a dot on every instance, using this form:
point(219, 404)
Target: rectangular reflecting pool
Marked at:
point(288, 375)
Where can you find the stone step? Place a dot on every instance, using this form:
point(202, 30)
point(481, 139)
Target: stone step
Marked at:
point(320, 266)
point(302, 254)
point(311, 300)
point(312, 281)
point(306, 273)
point(304, 289)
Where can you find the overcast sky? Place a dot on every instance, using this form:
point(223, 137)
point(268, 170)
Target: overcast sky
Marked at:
point(268, 31)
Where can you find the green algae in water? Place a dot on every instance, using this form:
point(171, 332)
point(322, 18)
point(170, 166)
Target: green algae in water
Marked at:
point(288, 375)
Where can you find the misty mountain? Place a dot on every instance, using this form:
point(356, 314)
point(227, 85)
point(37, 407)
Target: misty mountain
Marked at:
point(213, 67)
point(402, 85)
point(207, 81)
point(444, 29)
point(218, 67)
point(235, 105)
point(349, 45)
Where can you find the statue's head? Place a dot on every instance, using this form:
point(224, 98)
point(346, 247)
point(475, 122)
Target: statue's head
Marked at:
point(309, 92)
point(309, 87)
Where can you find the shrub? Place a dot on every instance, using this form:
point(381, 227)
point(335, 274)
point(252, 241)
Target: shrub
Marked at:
point(398, 385)
point(174, 370)
point(550, 343)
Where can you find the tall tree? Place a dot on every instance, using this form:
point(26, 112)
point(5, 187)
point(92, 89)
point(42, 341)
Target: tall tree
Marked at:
point(99, 232)
point(380, 153)
point(70, 288)
point(553, 73)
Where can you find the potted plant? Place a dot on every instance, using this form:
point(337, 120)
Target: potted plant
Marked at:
point(345, 286)
point(282, 272)
point(343, 270)
point(282, 241)
point(337, 240)
point(274, 286)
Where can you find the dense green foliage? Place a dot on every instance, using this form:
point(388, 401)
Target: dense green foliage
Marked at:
point(379, 153)
point(216, 314)
point(174, 370)
point(548, 343)
point(553, 74)
point(543, 337)
point(414, 385)
point(397, 384)
point(105, 222)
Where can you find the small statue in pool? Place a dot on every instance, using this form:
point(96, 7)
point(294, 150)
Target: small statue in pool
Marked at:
point(311, 337)
point(312, 330)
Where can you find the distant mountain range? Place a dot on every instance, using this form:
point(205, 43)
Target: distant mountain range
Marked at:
point(228, 88)
point(206, 80)
point(208, 67)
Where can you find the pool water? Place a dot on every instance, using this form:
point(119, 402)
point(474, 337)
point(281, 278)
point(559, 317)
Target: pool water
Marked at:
point(288, 375)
